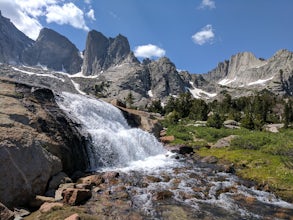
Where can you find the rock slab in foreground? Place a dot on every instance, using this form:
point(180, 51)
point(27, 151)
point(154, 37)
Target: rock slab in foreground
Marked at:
point(37, 141)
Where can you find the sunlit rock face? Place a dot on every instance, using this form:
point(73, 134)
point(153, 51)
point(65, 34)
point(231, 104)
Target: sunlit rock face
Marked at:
point(101, 53)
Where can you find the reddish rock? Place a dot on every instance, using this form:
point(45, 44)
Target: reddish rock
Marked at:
point(73, 196)
point(73, 217)
point(48, 206)
point(167, 139)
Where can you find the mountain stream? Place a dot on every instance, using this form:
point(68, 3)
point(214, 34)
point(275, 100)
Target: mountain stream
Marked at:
point(155, 183)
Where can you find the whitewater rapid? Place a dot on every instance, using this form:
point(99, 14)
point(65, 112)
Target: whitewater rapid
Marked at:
point(147, 170)
point(114, 142)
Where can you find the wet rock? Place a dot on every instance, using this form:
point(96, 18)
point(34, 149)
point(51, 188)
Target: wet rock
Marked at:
point(47, 206)
point(185, 150)
point(5, 213)
point(162, 195)
point(73, 217)
point(73, 196)
point(152, 179)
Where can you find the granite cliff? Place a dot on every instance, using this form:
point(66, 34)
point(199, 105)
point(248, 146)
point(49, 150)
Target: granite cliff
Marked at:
point(53, 51)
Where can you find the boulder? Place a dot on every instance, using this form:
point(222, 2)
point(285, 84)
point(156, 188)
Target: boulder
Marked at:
point(58, 179)
point(62, 187)
point(224, 142)
point(5, 213)
point(167, 139)
point(40, 200)
point(93, 180)
point(73, 196)
point(144, 120)
point(37, 141)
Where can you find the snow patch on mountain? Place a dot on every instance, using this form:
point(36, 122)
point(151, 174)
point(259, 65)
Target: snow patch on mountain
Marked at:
point(260, 81)
point(77, 87)
point(37, 74)
point(150, 93)
point(199, 93)
point(226, 81)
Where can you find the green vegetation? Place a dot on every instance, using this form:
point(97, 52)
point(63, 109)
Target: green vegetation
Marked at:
point(256, 154)
point(264, 157)
point(253, 112)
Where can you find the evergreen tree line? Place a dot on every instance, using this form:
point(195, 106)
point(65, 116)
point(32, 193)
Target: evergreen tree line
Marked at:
point(251, 111)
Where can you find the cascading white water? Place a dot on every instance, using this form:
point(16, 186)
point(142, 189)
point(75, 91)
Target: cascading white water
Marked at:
point(114, 143)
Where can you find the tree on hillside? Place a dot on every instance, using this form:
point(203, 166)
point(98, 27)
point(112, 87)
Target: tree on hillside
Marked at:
point(156, 106)
point(215, 121)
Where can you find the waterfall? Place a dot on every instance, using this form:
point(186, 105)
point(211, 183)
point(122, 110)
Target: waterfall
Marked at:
point(114, 143)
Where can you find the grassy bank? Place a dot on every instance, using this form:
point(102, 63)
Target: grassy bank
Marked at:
point(264, 157)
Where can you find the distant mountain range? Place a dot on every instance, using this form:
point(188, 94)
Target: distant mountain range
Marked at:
point(108, 68)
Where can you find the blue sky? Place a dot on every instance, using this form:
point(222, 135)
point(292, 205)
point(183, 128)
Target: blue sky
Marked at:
point(194, 34)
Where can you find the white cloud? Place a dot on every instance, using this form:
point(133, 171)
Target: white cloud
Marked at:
point(22, 16)
point(26, 14)
point(69, 13)
point(87, 1)
point(207, 4)
point(148, 51)
point(205, 35)
point(91, 14)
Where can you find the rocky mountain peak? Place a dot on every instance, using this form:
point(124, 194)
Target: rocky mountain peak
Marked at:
point(165, 79)
point(12, 42)
point(101, 53)
point(282, 54)
point(241, 62)
point(54, 51)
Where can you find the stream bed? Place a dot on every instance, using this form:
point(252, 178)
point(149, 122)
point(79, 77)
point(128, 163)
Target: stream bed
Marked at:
point(168, 188)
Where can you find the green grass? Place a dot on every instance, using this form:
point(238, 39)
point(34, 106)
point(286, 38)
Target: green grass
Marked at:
point(264, 157)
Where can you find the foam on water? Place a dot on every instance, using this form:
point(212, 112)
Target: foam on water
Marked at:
point(114, 143)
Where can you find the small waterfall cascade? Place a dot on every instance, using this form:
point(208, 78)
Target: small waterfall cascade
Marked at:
point(114, 143)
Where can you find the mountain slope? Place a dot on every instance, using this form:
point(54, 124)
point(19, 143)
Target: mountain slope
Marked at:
point(53, 51)
point(244, 70)
point(12, 42)
point(101, 53)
